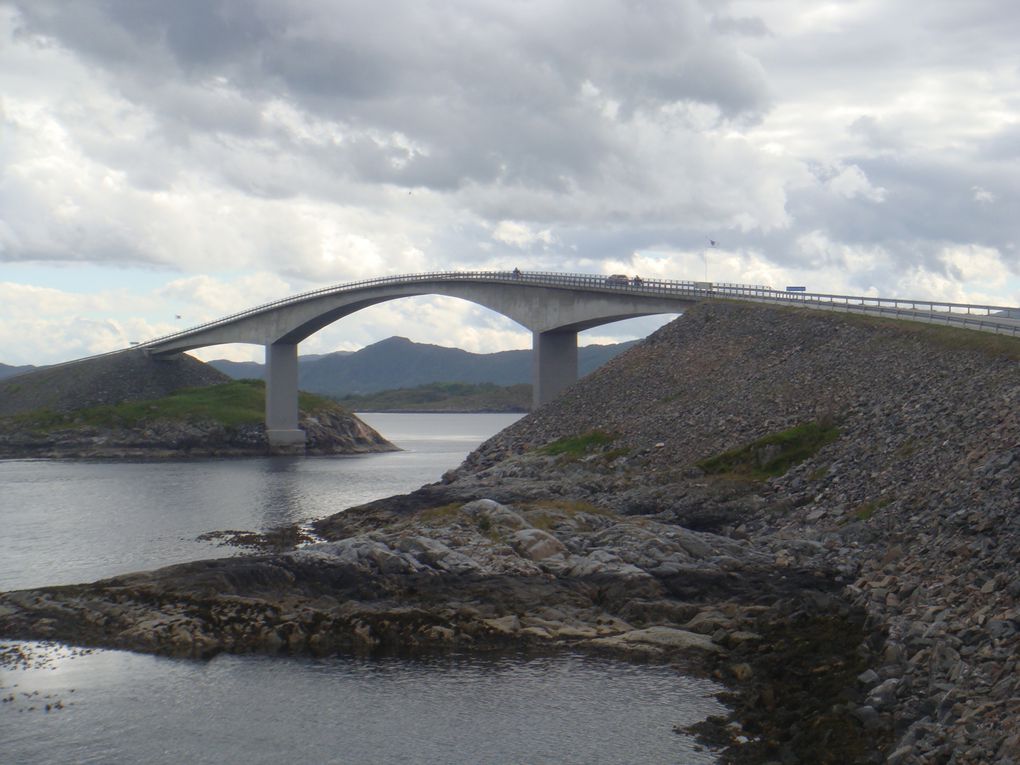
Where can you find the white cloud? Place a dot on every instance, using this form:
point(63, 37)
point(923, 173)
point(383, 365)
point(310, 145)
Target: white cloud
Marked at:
point(983, 196)
point(520, 234)
point(202, 298)
point(45, 325)
point(982, 267)
point(851, 182)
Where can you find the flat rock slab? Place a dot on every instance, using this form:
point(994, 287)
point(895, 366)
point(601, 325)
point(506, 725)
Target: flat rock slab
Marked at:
point(660, 637)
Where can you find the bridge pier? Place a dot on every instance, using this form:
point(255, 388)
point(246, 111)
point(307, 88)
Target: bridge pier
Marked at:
point(553, 364)
point(282, 397)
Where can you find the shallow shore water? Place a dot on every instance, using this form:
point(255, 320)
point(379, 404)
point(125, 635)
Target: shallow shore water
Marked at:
point(118, 707)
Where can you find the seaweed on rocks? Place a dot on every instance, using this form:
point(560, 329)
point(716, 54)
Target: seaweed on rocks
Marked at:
point(795, 694)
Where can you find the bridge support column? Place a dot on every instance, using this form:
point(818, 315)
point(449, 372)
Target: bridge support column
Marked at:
point(553, 364)
point(282, 397)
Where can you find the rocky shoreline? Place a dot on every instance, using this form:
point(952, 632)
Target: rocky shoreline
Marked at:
point(327, 432)
point(409, 575)
point(861, 598)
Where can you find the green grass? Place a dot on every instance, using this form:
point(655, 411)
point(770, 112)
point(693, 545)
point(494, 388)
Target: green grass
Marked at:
point(818, 473)
point(568, 506)
point(774, 454)
point(868, 509)
point(578, 446)
point(907, 449)
point(231, 404)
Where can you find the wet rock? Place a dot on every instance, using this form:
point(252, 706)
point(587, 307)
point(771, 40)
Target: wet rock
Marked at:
point(883, 696)
point(868, 717)
point(868, 678)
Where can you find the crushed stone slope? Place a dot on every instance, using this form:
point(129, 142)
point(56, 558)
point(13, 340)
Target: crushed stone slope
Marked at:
point(726, 374)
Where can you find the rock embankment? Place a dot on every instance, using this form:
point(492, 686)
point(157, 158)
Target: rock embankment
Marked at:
point(858, 592)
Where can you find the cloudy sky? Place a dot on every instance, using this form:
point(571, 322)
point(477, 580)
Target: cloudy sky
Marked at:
point(193, 158)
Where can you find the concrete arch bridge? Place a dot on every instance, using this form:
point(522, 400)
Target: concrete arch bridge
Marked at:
point(553, 306)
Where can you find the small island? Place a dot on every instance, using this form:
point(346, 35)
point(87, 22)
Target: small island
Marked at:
point(129, 405)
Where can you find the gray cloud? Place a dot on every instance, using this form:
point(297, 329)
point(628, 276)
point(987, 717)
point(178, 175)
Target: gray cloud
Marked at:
point(486, 92)
point(1004, 145)
point(749, 26)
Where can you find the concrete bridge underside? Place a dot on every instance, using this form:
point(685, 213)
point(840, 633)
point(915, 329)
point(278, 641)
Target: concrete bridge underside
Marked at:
point(553, 314)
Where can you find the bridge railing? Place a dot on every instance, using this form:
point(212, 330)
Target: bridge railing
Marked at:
point(989, 317)
point(993, 318)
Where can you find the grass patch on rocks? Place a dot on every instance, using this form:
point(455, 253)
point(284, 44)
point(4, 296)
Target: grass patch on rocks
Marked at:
point(567, 506)
point(578, 446)
point(865, 511)
point(239, 402)
point(440, 515)
point(276, 540)
point(547, 513)
point(774, 454)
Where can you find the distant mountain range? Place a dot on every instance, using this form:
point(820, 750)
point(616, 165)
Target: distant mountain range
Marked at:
point(444, 397)
point(6, 370)
point(400, 363)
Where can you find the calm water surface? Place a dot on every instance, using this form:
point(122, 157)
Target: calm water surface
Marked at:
point(69, 522)
point(77, 521)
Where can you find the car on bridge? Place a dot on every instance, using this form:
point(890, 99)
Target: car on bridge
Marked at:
point(617, 280)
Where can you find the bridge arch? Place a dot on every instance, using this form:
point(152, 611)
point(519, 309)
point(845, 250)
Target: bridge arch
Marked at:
point(554, 307)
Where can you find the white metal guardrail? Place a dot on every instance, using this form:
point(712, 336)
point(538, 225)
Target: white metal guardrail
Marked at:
point(987, 318)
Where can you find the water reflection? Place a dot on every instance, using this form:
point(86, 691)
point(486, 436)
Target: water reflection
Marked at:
point(279, 494)
point(468, 709)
